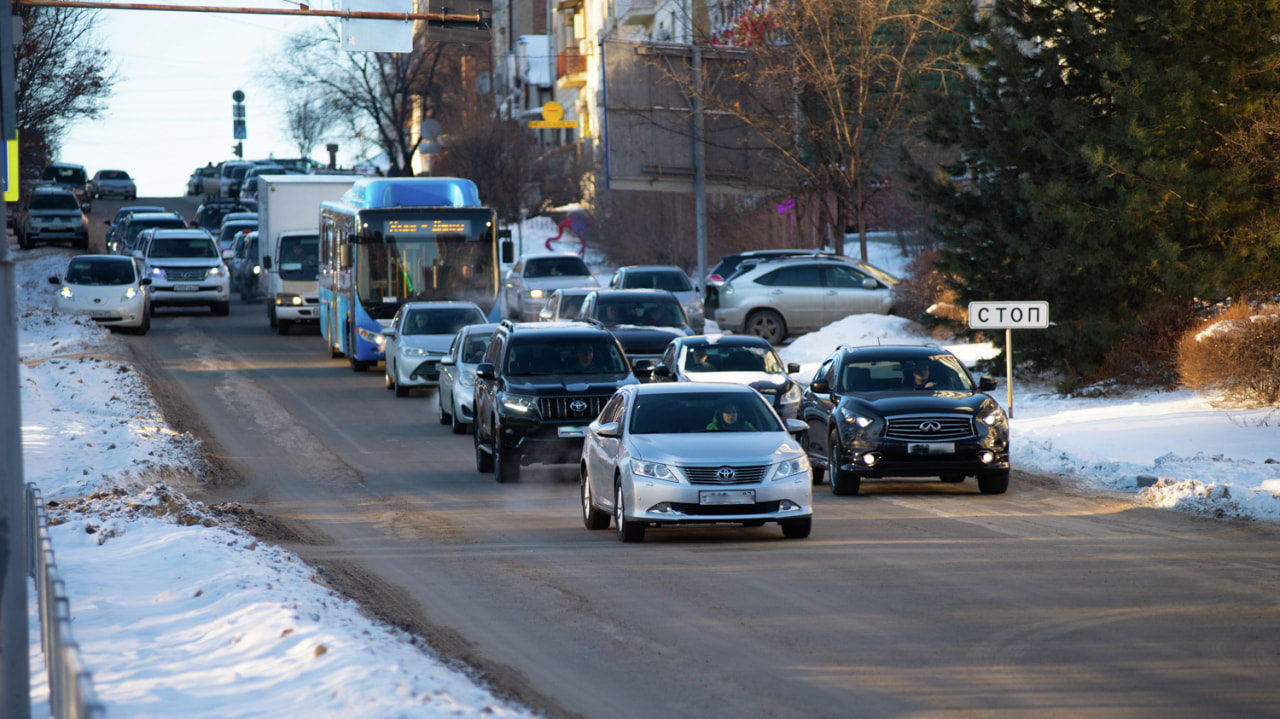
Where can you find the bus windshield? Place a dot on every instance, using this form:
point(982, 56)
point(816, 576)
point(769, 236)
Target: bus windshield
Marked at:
point(404, 256)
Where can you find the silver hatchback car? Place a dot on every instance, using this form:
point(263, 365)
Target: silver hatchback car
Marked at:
point(693, 453)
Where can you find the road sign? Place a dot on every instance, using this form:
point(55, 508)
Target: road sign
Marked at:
point(1008, 315)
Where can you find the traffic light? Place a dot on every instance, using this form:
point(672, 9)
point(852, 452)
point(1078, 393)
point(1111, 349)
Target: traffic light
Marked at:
point(238, 149)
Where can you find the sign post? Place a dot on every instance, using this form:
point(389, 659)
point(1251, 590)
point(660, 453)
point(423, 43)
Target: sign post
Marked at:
point(1008, 316)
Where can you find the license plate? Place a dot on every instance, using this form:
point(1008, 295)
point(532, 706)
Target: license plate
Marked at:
point(735, 496)
point(572, 431)
point(186, 288)
point(932, 448)
point(101, 313)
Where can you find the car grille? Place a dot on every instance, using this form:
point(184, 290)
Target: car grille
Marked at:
point(714, 510)
point(923, 428)
point(711, 475)
point(429, 371)
point(184, 274)
point(554, 408)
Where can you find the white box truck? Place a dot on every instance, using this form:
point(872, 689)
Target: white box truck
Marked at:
point(288, 243)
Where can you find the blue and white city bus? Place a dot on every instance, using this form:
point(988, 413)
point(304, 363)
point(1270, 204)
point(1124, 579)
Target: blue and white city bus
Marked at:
point(394, 240)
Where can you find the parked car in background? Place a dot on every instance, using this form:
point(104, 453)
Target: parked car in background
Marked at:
point(112, 183)
point(740, 359)
point(693, 453)
point(71, 177)
point(903, 411)
point(644, 321)
point(728, 266)
point(564, 304)
point(534, 277)
point(455, 396)
point(779, 298)
point(419, 337)
point(115, 223)
point(136, 222)
point(186, 269)
point(663, 277)
point(108, 289)
point(51, 214)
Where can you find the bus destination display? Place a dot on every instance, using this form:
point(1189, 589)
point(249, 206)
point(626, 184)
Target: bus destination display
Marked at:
point(418, 228)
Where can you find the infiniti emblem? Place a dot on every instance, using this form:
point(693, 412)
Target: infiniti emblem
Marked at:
point(725, 474)
point(930, 427)
point(578, 406)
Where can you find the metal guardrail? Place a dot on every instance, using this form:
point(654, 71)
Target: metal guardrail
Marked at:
point(71, 693)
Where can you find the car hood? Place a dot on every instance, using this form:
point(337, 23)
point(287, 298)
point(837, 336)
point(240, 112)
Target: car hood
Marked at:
point(941, 401)
point(579, 384)
point(184, 262)
point(756, 380)
point(558, 283)
point(705, 449)
point(434, 343)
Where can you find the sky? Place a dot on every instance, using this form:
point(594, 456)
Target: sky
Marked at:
point(179, 613)
point(171, 109)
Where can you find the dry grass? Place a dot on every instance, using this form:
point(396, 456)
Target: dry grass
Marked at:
point(1236, 354)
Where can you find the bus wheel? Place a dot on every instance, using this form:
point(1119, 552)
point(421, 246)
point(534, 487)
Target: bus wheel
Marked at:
point(356, 365)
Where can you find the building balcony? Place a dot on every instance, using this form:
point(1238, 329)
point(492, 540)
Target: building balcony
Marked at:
point(571, 69)
point(638, 12)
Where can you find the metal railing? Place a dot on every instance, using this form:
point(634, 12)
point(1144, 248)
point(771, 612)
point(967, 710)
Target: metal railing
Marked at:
point(71, 693)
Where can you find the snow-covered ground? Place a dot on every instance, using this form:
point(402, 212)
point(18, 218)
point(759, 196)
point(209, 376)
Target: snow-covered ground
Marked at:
point(178, 611)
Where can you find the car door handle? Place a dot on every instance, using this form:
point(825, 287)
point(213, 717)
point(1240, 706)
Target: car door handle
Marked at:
point(831, 292)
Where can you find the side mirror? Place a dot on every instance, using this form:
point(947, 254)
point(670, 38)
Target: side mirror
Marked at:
point(107, 222)
point(266, 262)
point(796, 427)
point(508, 251)
point(448, 361)
point(389, 332)
point(484, 370)
point(144, 282)
point(55, 280)
point(608, 429)
point(869, 284)
point(228, 254)
point(820, 386)
point(544, 314)
point(793, 368)
point(986, 384)
point(662, 371)
point(643, 369)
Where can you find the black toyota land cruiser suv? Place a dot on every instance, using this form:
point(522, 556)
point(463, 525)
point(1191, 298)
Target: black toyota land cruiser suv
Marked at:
point(538, 387)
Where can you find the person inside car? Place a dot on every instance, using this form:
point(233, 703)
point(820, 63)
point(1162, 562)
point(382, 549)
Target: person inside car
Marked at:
point(584, 356)
point(729, 419)
point(699, 361)
point(919, 372)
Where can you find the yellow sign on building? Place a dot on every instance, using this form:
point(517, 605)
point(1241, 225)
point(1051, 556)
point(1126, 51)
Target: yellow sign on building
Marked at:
point(552, 117)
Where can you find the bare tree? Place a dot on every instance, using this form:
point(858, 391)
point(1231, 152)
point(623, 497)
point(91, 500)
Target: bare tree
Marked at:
point(309, 119)
point(62, 72)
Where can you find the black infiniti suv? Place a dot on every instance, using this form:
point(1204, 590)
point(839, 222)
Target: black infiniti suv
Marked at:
point(538, 387)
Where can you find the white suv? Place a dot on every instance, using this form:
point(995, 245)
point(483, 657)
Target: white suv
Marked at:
point(186, 268)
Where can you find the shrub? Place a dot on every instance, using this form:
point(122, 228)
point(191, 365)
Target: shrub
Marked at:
point(1235, 354)
point(1147, 354)
point(923, 296)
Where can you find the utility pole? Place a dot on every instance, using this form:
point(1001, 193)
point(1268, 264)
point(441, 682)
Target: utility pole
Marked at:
point(15, 678)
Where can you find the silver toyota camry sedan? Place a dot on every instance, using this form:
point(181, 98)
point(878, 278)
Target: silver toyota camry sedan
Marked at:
point(693, 453)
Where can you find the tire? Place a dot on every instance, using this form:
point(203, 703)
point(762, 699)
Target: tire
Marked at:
point(505, 467)
point(142, 329)
point(82, 243)
point(592, 517)
point(283, 326)
point(797, 528)
point(952, 478)
point(767, 325)
point(996, 482)
point(818, 472)
point(628, 531)
point(459, 427)
point(445, 417)
point(388, 380)
point(402, 391)
point(484, 460)
point(356, 365)
point(221, 309)
point(23, 241)
point(271, 317)
point(843, 484)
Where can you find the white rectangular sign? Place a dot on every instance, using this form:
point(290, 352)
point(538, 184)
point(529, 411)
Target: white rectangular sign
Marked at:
point(360, 35)
point(1008, 315)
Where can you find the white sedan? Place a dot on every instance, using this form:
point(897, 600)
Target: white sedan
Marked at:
point(693, 453)
point(419, 337)
point(109, 289)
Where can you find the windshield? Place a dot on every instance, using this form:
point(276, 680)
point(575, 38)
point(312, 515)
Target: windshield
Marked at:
point(113, 175)
point(100, 272)
point(66, 175)
point(138, 226)
point(643, 313)
point(300, 257)
point(687, 413)
point(201, 247)
point(938, 372)
point(55, 201)
point(715, 358)
point(229, 231)
point(566, 357)
point(441, 320)
point(668, 280)
point(428, 255)
point(556, 267)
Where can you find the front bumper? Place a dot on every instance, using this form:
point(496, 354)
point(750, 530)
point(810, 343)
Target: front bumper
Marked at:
point(131, 314)
point(199, 294)
point(542, 443)
point(671, 503)
point(903, 459)
point(418, 371)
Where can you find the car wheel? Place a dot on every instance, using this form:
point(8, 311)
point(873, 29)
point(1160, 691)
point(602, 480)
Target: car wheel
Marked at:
point(952, 478)
point(818, 472)
point(401, 390)
point(505, 467)
point(82, 243)
point(797, 528)
point(458, 427)
point(628, 531)
point(444, 416)
point(145, 326)
point(591, 517)
point(843, 484)
point(767, 325)
point(388, 379)
point(283, 326)
point(484, 460)
point(221, 309)
point(996, 482)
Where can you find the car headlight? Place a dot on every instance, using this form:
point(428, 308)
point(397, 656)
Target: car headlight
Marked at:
point(792, 395)
point(653, 470)
point(993, 417)
point(535, 294)
point(518, 404)
point(413, 352)
point(130, 293)
point(65, 293)
point(862, 421)
point(787, 468)
point(467, 378)
point(157, 272)
point(217, 271)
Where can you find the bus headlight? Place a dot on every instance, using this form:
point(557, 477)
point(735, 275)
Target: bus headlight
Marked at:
point(375, 338)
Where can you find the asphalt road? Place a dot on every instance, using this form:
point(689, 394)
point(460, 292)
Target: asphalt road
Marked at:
point(910, 600)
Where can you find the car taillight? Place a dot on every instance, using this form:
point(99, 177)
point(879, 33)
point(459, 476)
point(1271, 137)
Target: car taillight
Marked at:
point(714, 278)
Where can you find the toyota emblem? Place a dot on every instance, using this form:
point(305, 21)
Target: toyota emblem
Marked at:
point(930, 427)
point(97, 300)
point(725, 474)
point(578, 406)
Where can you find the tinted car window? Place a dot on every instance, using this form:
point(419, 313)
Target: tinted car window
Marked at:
point(843, 277)
point(66, 174)
point(55, 201)
point(182, 247)
point(547, 358)
point(556, 267)
point(473, 347)
point(100, 272)
point(669, 281)
point(804, 276)
point(443, 321)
